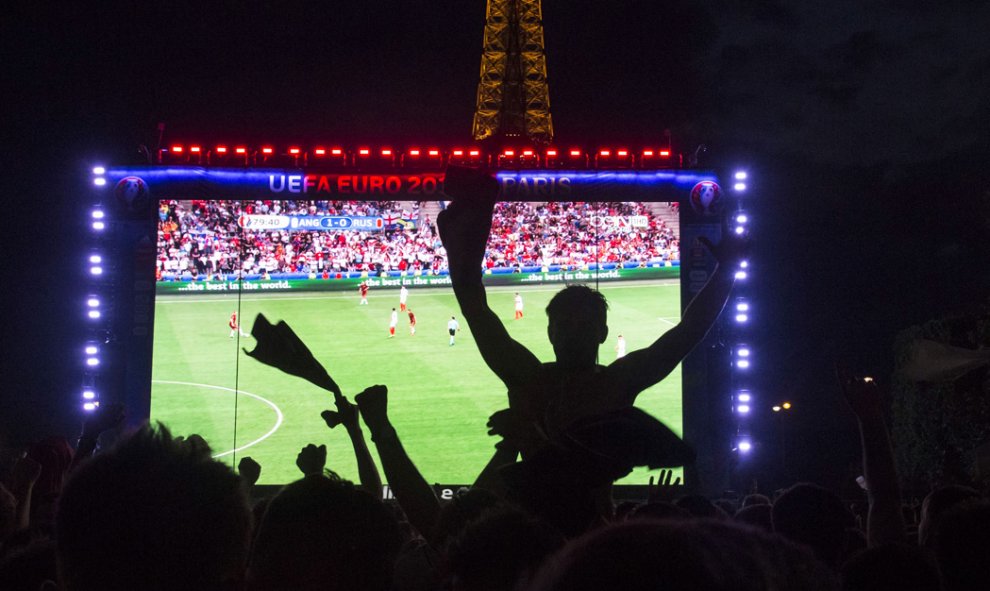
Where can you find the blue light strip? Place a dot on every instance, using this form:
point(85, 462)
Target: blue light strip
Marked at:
point(742, 361)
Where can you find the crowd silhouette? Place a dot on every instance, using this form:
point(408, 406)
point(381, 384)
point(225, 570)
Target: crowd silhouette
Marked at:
point(153, 511)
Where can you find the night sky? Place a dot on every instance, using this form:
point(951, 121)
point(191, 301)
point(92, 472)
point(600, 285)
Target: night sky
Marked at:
point(866, 127)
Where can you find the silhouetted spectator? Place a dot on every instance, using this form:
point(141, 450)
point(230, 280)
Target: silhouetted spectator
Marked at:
point(500, 551)
point(937, 503)
point(891, 567)
point(683, 556)
point(757, 516)
point(811, 515)
point(153, 513)
point(31, 568)
point(461, 510)
point(961, 542)
point(320, 533)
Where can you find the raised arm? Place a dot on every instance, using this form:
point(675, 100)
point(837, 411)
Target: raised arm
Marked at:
point(347, 415)
point(884, 522)
point(645, 367)
point(412, 491)
point(464, 228)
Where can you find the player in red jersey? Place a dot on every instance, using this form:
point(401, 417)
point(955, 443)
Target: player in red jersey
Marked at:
point(363, 288)
point(234, 326)
point(412, 322)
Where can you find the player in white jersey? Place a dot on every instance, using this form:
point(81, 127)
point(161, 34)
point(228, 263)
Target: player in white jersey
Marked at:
point(452, 328)
point(393, 320)
point(620, 347)
point(403, 296)
point(519, 306)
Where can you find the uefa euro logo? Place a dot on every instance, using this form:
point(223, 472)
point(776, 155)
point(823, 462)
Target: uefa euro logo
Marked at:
point(705, 196)
point(132, 194)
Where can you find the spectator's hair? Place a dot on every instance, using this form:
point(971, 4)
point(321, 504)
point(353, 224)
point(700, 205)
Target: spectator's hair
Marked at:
point(579, 300)
point(321, 533)
point(152, 513)
point(683, 555)
point(811, 515)
point(500, 551)
point(757, 516)
point(961, 541)
point(891, 566)
point(937, 503)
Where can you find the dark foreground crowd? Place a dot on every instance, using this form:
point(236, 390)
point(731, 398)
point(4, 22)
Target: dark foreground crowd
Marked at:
point(157, 512)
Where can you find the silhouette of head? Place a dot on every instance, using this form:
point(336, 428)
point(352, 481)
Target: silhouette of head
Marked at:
point(152, 513)
point(961, 542)
point(500, 551)
point(683, 555)
point(938, 502)
point(577, 324)
point(891, 566)
point(322, 533)
point(814, 516)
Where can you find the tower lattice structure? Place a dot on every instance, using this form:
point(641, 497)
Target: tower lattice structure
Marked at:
point(513, 95)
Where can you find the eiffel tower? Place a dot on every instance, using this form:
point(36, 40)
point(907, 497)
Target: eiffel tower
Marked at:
point(513, 96)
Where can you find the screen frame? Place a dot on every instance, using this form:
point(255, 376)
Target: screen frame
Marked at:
point(132, 221)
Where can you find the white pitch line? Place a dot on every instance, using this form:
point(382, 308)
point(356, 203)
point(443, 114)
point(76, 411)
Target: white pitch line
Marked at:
point(662, 319)
point(278, 411)
point(176, 298)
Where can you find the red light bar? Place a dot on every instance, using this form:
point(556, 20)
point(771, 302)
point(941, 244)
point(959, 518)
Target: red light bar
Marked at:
point(458, 152)
point(194, 149)
point(551, 153)
point(364, 151)
point(604, 153)
point(241, 150)
point(434, 152)
point(320, 151)
point(474, 152)
point(527, 152)
point(221, 149)
point(293, 151)
point(575, 152)
point(622, 153)
point(386, 152)
point(414, 152)
point(648, 153)
point(508, 153)
point(267, 150)
point(177, 149)
point(336, 151)
point(665, 153)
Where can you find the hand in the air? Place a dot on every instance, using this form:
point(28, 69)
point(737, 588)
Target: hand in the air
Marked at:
point(373, 403)
point(665, 491)
point(862, 394)
point(346, 414)
point(249, 470)
point(312, 459)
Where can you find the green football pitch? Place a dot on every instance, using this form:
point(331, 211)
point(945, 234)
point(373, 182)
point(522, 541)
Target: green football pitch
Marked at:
point(440, 397)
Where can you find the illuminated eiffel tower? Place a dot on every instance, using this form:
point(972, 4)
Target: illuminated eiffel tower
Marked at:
point(513, 96)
